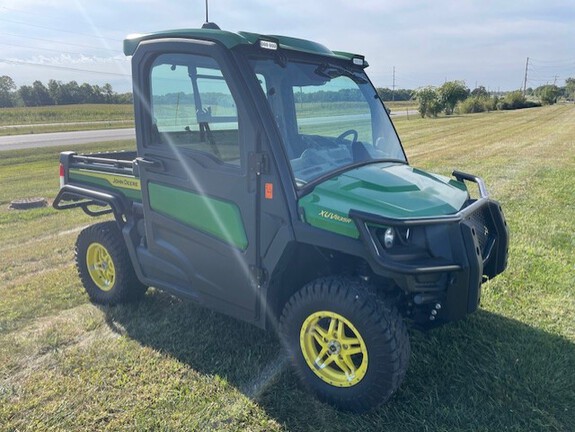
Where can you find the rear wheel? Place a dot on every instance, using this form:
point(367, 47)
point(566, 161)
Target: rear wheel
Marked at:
point(104, 265)
point(350, 348)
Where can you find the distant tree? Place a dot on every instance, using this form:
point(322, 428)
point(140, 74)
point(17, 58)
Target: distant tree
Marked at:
point(7, 88)
point(515, 100)
point(42, 94)
point(480, 92)
point(386, 94)
point(55, 90)
point(429, 102)
point(108, 93)
point(59, 93)
point(35, 95)
point(98, 94)
point(26, 93)
point(547, 94)
point(570, 88)
point(452, 92)
point(125, 98)
point(73, 95)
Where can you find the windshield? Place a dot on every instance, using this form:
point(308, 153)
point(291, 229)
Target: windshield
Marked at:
point(329, 116)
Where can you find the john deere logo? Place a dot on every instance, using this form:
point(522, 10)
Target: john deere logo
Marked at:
point(126, 182)
point(333, 216)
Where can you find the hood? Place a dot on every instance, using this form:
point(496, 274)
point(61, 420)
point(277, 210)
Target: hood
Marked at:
point(386, 189)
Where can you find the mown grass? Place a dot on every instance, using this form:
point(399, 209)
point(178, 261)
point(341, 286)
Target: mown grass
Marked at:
point(17, 121)
point(31, 120)
point(65, 114)
point(167, 364)
point(399, 106)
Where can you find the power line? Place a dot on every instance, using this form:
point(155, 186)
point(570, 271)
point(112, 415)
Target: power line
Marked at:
point(58, 30)
point(49, 49)
point(61, 43)
point(24, 12)
point(552, 63)
point(27, 13)
point(42, 65)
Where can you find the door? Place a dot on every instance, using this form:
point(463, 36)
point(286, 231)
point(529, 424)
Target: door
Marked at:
point(194, 140)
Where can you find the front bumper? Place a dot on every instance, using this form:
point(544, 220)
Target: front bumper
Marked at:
point(443, 268)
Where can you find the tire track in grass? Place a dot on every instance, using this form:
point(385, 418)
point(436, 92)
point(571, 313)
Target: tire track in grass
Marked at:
point(33, 346)
point(53, 236)
point(39, 295)
point(490, 129)
point(72, 369)
point(20, 262)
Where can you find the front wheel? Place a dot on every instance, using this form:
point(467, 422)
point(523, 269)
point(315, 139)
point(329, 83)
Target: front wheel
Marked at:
point(104, 265)
point(350, 348)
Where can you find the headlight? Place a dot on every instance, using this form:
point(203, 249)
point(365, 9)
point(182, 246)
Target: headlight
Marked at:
point(389, 238)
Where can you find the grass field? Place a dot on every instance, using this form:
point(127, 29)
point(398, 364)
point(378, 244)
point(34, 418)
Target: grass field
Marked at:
point(17, 121)
point(30, 120)
point(166, 364)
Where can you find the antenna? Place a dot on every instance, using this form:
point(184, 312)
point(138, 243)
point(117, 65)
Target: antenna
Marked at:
point(208, 24)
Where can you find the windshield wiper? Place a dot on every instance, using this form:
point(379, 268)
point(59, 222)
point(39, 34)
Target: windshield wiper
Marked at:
point(331, 71)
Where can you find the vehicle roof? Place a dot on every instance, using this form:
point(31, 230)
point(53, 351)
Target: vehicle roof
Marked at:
point(230, 40)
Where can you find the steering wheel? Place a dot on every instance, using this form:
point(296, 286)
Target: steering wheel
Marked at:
point(346, 133)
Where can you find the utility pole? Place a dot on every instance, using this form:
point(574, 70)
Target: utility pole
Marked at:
point(207, 18)
point(525, 79)
point(393, 86)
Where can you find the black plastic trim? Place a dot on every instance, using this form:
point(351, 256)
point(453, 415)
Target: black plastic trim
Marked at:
point(84, 198)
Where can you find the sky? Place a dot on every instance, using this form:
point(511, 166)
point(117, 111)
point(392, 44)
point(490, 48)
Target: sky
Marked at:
point(480, 42)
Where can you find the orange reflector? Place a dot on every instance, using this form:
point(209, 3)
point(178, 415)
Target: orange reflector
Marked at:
point(269, 191)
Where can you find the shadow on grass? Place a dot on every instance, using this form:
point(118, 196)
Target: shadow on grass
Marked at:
point(484, 373)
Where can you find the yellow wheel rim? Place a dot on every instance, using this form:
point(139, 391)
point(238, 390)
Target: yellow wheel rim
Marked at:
point(101, 266)
point(333, 349)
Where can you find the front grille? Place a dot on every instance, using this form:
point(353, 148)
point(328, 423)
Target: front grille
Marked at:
point(481, 223)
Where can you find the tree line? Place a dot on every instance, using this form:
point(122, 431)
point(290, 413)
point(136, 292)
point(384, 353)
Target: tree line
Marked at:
point(456, 96)
point(57, 93)
point(451, 96)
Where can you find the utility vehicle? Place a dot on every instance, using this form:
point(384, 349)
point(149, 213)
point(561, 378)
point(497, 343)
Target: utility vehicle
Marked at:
point(269, 183)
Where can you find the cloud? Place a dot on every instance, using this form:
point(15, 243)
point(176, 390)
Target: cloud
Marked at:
point(472, 40)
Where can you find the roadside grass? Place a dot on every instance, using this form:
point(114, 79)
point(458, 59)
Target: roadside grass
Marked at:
point(399, 106)
point(167, 364)
point(16, 121)
point(33, 120)
point(65, 114)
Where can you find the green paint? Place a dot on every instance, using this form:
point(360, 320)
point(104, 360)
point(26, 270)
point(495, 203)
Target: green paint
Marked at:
point(219, 218)
point(128, 186)
point(385, 189)
point(230, 40)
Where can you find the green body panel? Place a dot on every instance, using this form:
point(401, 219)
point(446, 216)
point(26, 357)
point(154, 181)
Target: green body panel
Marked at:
point(385, 189)
point(230, 40)
point(128, 186)
point(222, 219)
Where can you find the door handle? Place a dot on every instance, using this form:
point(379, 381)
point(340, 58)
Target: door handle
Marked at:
point(150, 163)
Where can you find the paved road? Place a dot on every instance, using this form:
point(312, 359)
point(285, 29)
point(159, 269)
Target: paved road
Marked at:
point(18, 142)
point(402, 112)
point(33, 125)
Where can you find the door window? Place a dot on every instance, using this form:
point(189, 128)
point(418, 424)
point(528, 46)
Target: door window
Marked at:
point(192, 107)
